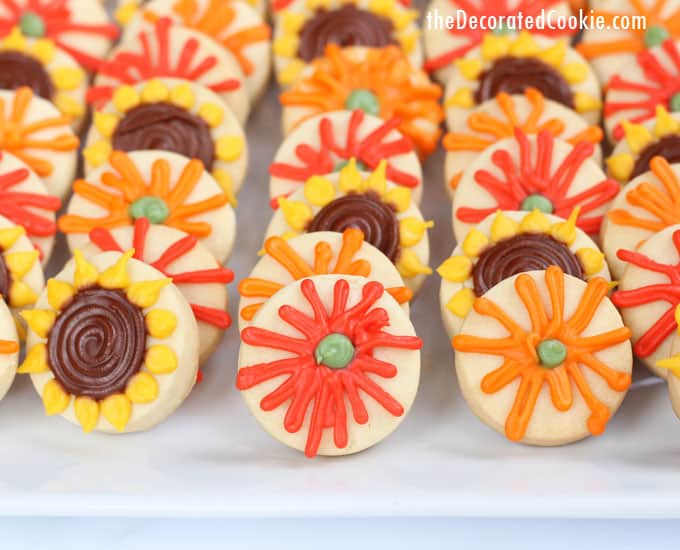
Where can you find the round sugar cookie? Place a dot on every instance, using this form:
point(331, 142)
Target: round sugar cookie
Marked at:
point(645, 206)
point(318, 253)
point(171, 115)
point(385, 213)
point(533, 172)
point(112, 345)
point(9, 350)
point(324, 144)
point(511, 64)
point(672, 366)
point(166, 188)
point(505, 244)
point(497, 118)
point(648, 294)
point(380, 81)
point(167, 50)
point(182, 258)
point(39, 135)
point(347, 351)
point(544, 358)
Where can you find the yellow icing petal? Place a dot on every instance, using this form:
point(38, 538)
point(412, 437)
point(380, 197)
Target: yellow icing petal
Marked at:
point(97, 153)
point(15, 40)
point(494, 46)
point(126, 12)
point(39, 321)
point(525, 45)
point(503, 227)
point(377, 180)
point(286, 45)
point(67, 78)
point(461, 302)
point(229, 148)
point(212, 113)
point(409, 265)
point(566, 231)
point(291, 73)
point(535, 222)
point(461, 98)
point(105, 123)
point(117, 410)
point(10, 235)
point(44, 50)
point(161, 323)
point(125, 98)
point(319, 191)
point(297, 214)
point(145, 294)
point(665, 124)
point(67, 105)
point(21, 295)
point(591, 259)
point(672, 364)
point(291, 22)
point(584, 102)
point(160, 360)
point(637, 136)
point(408, 40)
point(473, 244)
point(183, 96)
point(677, 317)
point(554, 55)
point(142, 388)
point(620, 166)
point(226, 183)
point(399, 197)
point(350, 177)
point(55, 399)
point(455, 269)
point(58, 293)
point(87, 413)
point(117, 276)
point(469, 68)
point(155, 91)
point(20, 263)
point(412, 230)
point(575, 73)
point(403, 19)
point(85, 274)
point(36, 361)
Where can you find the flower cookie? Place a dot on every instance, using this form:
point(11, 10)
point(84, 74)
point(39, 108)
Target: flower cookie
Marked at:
point(318, 253)
point(81, 29)
point(610, 50)
point(645, 206)
point(533, 172)
point(330, 365)
point(671, 366)
point(544, 358)
point(235, 25)
point(324, 144)
point(512, 64)
point(304, 29)
point(648, 294)
point(9, 350)
point(25, 202)
point(444, 46)
point(385, 213)
point(166, 50)
point(163, 187)
point(505, 244)
point(379, 81)
point(49, 71)
point(171, 115)
point(39, 135)
point(640, 143)
point(634, 93)
point(497, 119)
point(112, 344)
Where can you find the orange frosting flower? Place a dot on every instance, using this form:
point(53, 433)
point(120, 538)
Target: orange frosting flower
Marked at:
point(520, 352)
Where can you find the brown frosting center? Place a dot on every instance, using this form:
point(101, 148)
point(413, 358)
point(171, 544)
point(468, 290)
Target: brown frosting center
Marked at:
point(18, 70)
point(667, 147)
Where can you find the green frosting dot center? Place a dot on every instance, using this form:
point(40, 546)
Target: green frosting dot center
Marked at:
point(551, 353)
point(152, 208)
point(32, 25)
point(360, 166)
point(655, 35)
point(365, 100)
point(537, 202)
point(335, 351)
point(674, 103)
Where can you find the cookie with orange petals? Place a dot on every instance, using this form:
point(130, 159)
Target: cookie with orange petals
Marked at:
point(9, 350)
point(163, 187)
point(544, 358)
point(379, 81)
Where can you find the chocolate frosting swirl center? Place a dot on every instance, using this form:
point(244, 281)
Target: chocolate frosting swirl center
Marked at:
point(97, 343)
point(667, 147)
point(18, 69)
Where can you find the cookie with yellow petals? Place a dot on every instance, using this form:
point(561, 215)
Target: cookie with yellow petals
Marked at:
point(388, 217)
point(163, 187)
point(513, 64)
point(112, 344)
point(304, 29)
point(505, 244)
point(9, 349)
point(172, 115)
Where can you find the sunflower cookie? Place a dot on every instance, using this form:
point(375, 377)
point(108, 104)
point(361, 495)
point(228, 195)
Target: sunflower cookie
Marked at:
point(444, 46)
point(183, 259)
point(25, 202)
point(81, 29)
point(544, 358)
point(165, 50)
point(39, 135)
point(304, 29)
point(318, 253)
point(385, 213)
point(325, 143)
point(112, 344)
point(505, 244)
point(533, 172)
point(513, 64)
point(497, 119)
point(379, 81)
point(648, 294)
point(640, 143)
point(49, 71)
point(330, 365)
point(9, 350)
point(163, 187)
point(645, 206)
point(171, 115)
point(235, 25)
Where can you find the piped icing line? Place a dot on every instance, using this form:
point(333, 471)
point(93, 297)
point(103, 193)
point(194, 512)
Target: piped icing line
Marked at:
point(311, 387)
point(520, 351)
